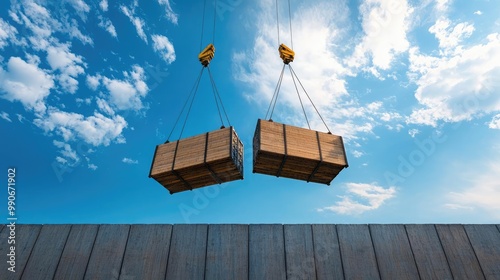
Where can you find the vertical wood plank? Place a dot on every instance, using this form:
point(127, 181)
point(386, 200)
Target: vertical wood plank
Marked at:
point(392, 249)
point(107, 254)
point(266, 252)
point(358, 255)
point(327, 252)
point(44, 258)
point(485, 240)
point(299, 252)
point(188, 249)
point(26, 236)
point(459, 252)
point(227, 252)
point(146, 254)
point(428, 252)
point(76, 253)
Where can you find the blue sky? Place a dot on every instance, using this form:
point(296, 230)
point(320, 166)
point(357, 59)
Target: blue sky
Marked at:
point(89, 88)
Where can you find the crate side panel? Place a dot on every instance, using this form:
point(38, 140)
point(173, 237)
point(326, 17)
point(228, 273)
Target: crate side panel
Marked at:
point(163, 158)
point(271, 137)
point(218, 144)
point(302, 142)
point(190, 152)
point(332, 149)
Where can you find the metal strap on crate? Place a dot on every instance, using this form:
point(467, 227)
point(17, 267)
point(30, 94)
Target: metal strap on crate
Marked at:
point(177, 173)
point(286, 152)
point(320, 160)
point(216, 178)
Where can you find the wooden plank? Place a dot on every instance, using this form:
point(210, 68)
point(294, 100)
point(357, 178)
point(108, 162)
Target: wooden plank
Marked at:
point(428, 252)
point(459, 252)
point(485, 239)
point(299, 252)
point(42, 263)
point(187, 252)
point(227, 252)
point(327, 252)
point(26, 236)
point(76, 254)
point(358, 255)
point(266, 252)
point(392, 249)
point(107, 254)
point(147, 251)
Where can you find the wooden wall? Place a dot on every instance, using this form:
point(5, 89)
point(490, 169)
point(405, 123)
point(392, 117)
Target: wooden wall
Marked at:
point(235, 251)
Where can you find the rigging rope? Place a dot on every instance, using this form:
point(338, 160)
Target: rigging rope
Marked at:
point(275, 94)
point(298, 94)
point(290, 21)
point(217, 95)
point(278, 22)
point(203, 24)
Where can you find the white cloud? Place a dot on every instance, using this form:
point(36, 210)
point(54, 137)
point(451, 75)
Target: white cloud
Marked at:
point(104, 106)
point(96, 129)
point(169, 12)
point(92, 166)
point(357, 154)
point(495, 122)
point(104, 5)
point(93, 81)
point(5, 116)
point(385, 24)
point(469, 89)
point(7, 33)
point(478, 13)
point(25, 83)
point(130, 161)
point(107, 25)
point(162, 45)
point(69, 156)
point(372, 196)
point(413, 132)
point(70, 66)
point(136, 21)
point(127, 94)
point(443, 5)
point(449, 37)
point(80, 6)
point(482, 191)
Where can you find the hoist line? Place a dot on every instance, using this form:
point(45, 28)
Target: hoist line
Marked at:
point(275, 94)
point(310, 100)
point(197, 81)
point(203, 24)
point(215, 13)
point(298, 94)
point(290, 21)
point(278, 22)
point(192, 101)
point(217, 95)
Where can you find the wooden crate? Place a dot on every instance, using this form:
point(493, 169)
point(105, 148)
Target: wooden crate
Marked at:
point(293, 152)
point(211, 158)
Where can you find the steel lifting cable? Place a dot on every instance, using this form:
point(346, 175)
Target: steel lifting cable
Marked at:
point(203, 23)
point(298, 94)
point(274, 99)
point(289, 21)
point(193, 90)
point(217, 96)
point(310, 100)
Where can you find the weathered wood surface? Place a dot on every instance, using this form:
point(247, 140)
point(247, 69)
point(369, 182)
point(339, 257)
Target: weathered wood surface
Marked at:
point(358, 255)
point(76, 254)
point(44, 258)
point(202, 160)
point(485, 239)
point(428, 252)
point(457, 247)
point(394, 256)
point(266, 252)
point(327, 252)
point(254, 252)
point(297, 153)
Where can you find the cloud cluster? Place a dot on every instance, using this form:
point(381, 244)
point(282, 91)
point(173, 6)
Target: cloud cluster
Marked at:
point(372, 197)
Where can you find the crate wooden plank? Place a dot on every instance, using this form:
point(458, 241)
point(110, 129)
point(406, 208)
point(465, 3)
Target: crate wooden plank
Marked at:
point(428, 252)
point(42, 263)
point(192, 169)
point(26, 236)
point(147, 252)
point(187, 252)
point(107, 255)
point(227, 252)
point(297, 153)
point(460, 254)
point(266, 252)
point(485, 239)
point(327, 252)
point(76, 254)
point(299, 252)
point(393, 251)
point(358, 255)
